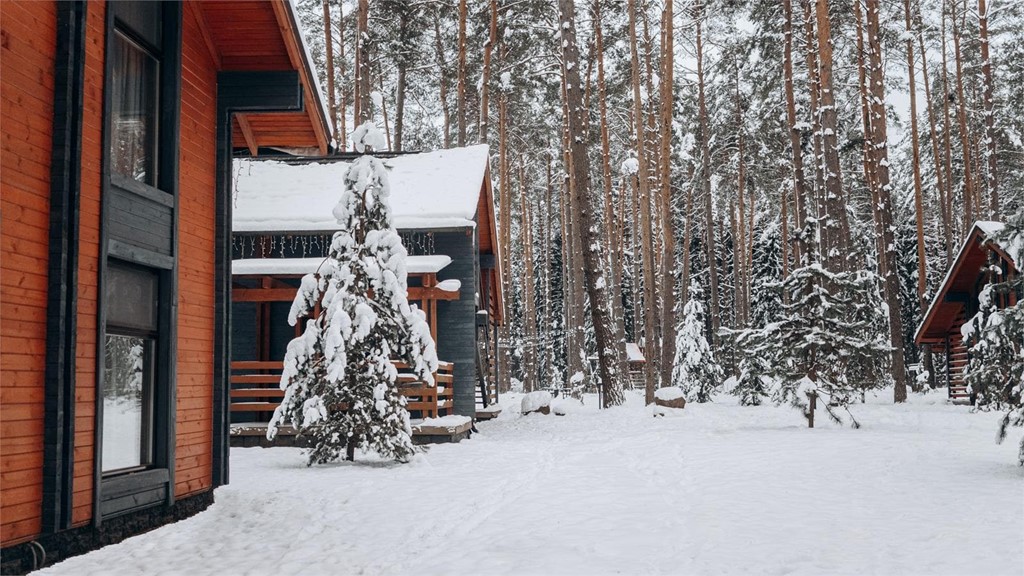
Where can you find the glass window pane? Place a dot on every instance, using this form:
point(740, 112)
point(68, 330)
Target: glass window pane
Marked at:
point(134, 86)
point(131, 297)
point(127, 402)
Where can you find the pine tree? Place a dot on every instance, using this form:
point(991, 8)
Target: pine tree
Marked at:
point(695, 371)
point(995, 373)
point(338, 378)
point(827, 342)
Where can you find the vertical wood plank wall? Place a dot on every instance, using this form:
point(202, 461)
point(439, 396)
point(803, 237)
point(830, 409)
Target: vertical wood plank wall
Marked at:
point(28, 48)
point(194, 448)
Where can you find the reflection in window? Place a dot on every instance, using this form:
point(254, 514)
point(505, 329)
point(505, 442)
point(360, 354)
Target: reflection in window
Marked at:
point(127, 402)
point(134, 111)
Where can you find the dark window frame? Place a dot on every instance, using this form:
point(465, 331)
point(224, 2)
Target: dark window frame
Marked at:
point(150, 244)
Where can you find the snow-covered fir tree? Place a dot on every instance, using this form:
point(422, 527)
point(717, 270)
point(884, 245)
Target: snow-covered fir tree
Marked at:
point(339, 380)
point(995, 373)
point(766, 295)
point(695, 370)
point(828, 340)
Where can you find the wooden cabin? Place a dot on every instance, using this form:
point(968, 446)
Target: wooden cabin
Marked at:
point(443, 209)
point(119, 122)
point(978, 263)
point(635, 365)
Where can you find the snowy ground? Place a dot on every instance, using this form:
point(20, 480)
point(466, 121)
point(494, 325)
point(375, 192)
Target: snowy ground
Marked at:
point(920, 489)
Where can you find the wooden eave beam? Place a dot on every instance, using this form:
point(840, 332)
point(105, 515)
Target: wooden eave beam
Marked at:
point(204, 29)
point(417, 293)
point(247, 134)
point(297, 57)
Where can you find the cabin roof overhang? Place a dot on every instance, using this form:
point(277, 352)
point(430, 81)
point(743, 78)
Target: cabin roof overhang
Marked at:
point(490, 243)
point(959, 282)
point(265, 36)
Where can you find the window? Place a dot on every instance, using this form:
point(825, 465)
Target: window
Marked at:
point(130, 344)
point(135, 409)
point(134, 110)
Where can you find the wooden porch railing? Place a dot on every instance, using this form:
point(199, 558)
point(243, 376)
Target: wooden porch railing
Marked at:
point(255, 389)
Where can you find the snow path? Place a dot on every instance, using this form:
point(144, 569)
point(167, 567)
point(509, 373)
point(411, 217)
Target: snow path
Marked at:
point(921, 488)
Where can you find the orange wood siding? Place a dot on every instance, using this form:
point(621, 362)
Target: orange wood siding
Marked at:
point(27, 48)
point(88, 264)
point(194, 447)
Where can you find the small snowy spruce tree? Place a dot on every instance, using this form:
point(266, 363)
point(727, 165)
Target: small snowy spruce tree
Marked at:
point(766, 293)
point(338, 378)
point(828, 341)
point(695, 371)
point(995, 373)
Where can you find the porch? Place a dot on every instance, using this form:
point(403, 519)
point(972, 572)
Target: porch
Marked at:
point(256, 393)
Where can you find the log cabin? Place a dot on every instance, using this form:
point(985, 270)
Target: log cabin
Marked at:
point(442, 206)
point(980, 261)
point(119, 123)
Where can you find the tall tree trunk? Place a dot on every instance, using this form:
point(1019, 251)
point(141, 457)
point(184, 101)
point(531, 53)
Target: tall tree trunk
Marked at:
point(446, 129)
point(342, 136)
point(740, 240)
point(529, 310)
point(402, 65)
point(651, 349)
point(990, 120)
point(795, 144)
point(868, 161)
point(486, 80)
point(461, 89)
point(363, 108)
point(887, 258)
point(329, 46)
point(668, 327)
point(836, 239)
point(705, 150)
point(922, 268)
point(572, 253)
point(814, 200)
point(504, 229)
point(941, 177)
point(946, 133)
point(384, 107)
point(608, 352)
point(611, 222)
point(965, 135)
point(549, 348)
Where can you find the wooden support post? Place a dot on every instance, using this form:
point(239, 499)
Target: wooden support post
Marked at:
point(812, 398)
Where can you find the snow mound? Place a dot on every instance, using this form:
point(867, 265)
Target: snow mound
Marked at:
point(449, 421)
point(536, 400)
point(450, 285)
point(666, 411)
point(563, 406)
point(669, 393)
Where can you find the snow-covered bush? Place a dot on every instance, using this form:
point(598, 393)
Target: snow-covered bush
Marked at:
point(338, 378)
point(995, 373)
point(696, 371)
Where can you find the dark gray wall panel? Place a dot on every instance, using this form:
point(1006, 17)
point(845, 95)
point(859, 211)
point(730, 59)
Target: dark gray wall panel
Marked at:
point(456, 320)
point(140, 222)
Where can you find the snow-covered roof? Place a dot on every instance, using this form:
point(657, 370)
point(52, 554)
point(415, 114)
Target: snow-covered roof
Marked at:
point(431, 190)
point(302, 266)
point(981, 230)
point(633, 353)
